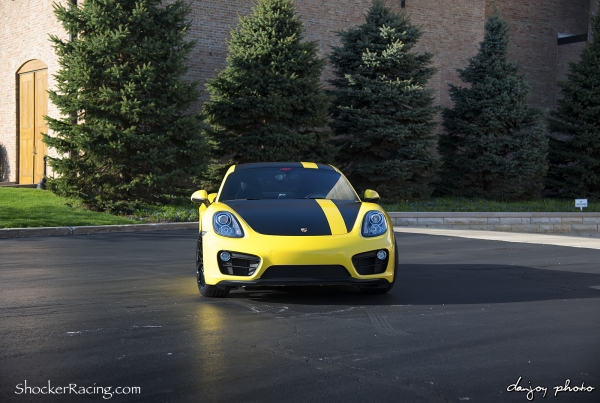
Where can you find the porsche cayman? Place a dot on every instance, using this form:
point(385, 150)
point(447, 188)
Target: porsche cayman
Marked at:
point(290, 224)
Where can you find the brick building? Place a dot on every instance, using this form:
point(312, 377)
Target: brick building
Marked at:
point(546, 35)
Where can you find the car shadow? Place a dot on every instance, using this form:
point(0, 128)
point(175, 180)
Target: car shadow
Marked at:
point(437, 284)
point(313, 295)
point(434, 284)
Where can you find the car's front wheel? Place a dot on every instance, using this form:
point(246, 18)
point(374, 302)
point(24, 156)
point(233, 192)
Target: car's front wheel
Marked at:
point(382, 290)
point(205, 289)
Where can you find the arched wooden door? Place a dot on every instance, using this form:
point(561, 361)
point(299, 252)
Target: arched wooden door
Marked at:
point(33, 105)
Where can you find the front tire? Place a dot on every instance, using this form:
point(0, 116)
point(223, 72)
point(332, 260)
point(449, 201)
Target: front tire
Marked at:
point(205, 289)
point(383, 290)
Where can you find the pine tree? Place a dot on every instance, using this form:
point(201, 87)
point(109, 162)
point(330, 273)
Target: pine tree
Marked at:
point(575, 144)
point(494, 145)
point(267, 104)
point(382, 113)
point(126, 134)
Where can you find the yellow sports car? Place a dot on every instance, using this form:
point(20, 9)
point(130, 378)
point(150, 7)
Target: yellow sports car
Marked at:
point(292, 223)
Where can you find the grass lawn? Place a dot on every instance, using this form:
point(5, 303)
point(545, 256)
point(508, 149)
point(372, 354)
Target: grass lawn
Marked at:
point(20, 208)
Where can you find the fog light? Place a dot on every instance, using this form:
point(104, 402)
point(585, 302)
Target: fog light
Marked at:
point(225, 256)
point(381, 255)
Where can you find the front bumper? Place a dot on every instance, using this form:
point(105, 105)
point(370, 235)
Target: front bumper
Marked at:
point(297, 252)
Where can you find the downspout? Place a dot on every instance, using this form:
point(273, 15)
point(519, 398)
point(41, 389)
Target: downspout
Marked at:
point(72, 36)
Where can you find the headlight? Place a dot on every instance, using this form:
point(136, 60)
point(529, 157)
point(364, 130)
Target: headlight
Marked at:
point(226, 224)
point(374, 224)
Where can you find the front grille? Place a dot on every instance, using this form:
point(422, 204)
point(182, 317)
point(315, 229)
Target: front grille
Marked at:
point(367, 263)
point(240, 264)
point(316, 272)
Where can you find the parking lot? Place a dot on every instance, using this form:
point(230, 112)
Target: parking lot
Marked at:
point(466, 320)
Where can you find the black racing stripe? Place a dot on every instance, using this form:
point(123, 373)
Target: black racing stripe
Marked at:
point(349, 211)
point(268, 165)
point(283, 216)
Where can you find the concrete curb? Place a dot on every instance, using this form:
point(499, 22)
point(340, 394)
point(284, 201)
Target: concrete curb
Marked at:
point(475, 214)
point(572, 224)
point(540, 239)
point(98, 229)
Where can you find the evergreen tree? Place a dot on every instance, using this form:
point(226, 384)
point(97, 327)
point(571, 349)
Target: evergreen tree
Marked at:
point(126, 134)
point(382, 113)
point(494, 144)
point(267, 104)
point(575, 145)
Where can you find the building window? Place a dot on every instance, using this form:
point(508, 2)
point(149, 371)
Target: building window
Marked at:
point(565, 39)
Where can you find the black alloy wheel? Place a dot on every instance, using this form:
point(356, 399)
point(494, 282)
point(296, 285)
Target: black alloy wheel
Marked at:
point(205, 289)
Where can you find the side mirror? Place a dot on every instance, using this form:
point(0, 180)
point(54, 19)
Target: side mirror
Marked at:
point(371, 196)
point(200, 196)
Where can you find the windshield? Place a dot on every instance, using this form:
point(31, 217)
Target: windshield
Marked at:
point(286, 183)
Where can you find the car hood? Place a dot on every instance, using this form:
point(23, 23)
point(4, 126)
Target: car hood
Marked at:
point(292, 217)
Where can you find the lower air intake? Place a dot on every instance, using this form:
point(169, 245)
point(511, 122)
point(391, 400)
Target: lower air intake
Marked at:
point(240, 264)
point(316, 272)
point(368, 263)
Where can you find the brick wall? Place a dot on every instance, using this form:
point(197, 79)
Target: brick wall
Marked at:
point(593, 10)
point(24, 32)
point(574, 21)
point(211, 22)
point(564, 55)
point(451, 30)
point(534, 33)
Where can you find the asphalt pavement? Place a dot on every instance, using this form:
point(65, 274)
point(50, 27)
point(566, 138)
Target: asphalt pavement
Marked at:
point(469, 320)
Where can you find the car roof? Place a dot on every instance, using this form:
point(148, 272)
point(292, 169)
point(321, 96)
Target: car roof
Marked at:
point(254, 165)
